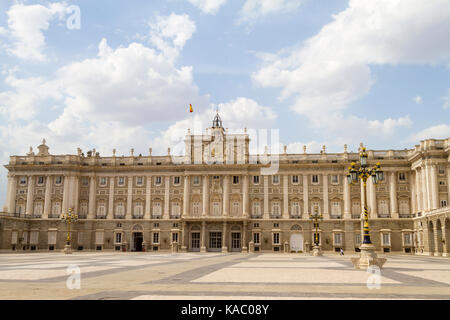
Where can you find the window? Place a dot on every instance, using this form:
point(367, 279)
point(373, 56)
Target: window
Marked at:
point(404, 207)
point(58, 179)
point(196, 180)
point(402, 176)
point(103, 181)
point(334, 179)
point(176, 180)
point(40, 180)
point(157, 208)
point(255, 179)
point(315, 179)
point(23, 181)
point(118, 237)
point(335, 208)
point(101, 210)
point(156, 225)
point(356, 208)
point(256, 225)
point(215, 240)
point(216, 178)
point(158, 180)
point(175, 237)
point(84, 208)
point(276, 238)
point(441, 170)
point(256, 208)
point(256, 237)
point(275, 179)
point(276, 225)
point(119, 209)
point(155, 237)
point(85, 181)
point(383, 208)
point(235, 179)
point(386, 239)
point(443, 203)
point(139, 181)
point(121, 181)
point(295, 209)
point(196, 208)
point(442, 183)
point(216, 208)
point(295, 179)
point(337, 239)
point(176, 209)
point(407, 239)
point(138, 209)
point(56, 209)
point(276, 208)
point(38, 209)
point(235, 209)
point(314, 206)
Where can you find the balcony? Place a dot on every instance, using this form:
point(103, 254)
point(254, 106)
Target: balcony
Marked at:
point(384, 216)
point(156, 216)
point(82, 216)
point(119, 216)
point(356, 216)
point(295, 216)
point(405, 216)
point(175, 216)
point(54, 216)
point(275, 216)
point(255, 216)
point(138, 216)
point(335, 216)
point(100, 216)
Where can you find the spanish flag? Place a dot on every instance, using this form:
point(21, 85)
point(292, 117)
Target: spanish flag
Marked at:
point(190, 108)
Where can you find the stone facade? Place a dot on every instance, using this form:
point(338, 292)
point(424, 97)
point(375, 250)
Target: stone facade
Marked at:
point(219, 197)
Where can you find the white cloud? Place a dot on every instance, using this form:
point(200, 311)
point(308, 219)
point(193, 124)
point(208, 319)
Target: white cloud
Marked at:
point(208, 6)
point(441, 131)
point(170, 33)
point(332, 69)
point(418, 99)
point(26, 24)
point(254, 9)
point(446, 99)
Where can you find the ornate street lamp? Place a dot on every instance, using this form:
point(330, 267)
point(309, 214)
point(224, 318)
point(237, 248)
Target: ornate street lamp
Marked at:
point(315, 218)
point(68, 218)
point(368, 256)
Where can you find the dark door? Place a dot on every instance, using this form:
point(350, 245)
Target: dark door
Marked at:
point(138, 238)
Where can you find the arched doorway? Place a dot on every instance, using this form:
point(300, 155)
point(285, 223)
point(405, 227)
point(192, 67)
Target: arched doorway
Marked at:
point(296, 239)
point(236, 239)
point(447, 236)
point(194, 239)
point(137, 238)
point(439, 248)
point(430, 238)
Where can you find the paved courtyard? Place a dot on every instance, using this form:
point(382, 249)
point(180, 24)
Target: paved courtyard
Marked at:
point(218, 276)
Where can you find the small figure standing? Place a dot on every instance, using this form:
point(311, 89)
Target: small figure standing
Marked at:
point(342, 252)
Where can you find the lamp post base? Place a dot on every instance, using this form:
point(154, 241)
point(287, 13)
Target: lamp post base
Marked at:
point(367, 258)
point(67, 249)
point(316, 251)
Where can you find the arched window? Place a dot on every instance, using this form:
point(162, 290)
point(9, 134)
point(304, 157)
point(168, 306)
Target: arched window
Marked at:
point(256, 208)
point(157, 208)
point(404, 207)
point(138, 209)
point(295, 209)
point(119, 209)
point(56, 208)
point(356, 208)
point(196, 208)
point(276, 208)
point(383, 208)
point(101, 210)
point(216, 208)
point(335, 208)
point(176, 209)
point(235, 208)
point(38, 208)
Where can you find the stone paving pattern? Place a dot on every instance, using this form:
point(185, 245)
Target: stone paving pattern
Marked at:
point(218, 276)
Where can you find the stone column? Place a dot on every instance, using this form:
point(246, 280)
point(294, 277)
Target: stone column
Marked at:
point(285, 197)
point(428, 187)
point(372, 198)
point(448, 185)
point(148, 195)
point(434, 187)
point(186, 195)
point(266, 197)
point(76, 194)
point(183, 235)
point(205, 196)
point(347, 199)
point(305, 197)
point(66, 191)
point(30, 196)
point(166, 197)
point(226, 195)
point(419, 191)
point(110, 213)
point(130, 197)
point(412, 185)
point(244, 236)
point(423, 182)
point(203, 237)
point(11, 193)
point(48, 196)
point(326, 204)
point(224, 237)
point(444, 237)
point(245, 195)
point(436, 240)
point(92, 194)
point(393, 195)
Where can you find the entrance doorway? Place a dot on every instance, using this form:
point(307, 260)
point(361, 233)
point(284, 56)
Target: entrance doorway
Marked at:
point(195, 241)
point(236, 242)
point(138, 238)
point(296, 242)
point(215, 241)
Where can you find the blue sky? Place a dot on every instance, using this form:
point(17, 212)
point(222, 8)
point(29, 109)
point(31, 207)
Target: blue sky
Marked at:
point(328, 72)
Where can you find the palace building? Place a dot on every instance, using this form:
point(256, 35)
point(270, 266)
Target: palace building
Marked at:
point(218, 197)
